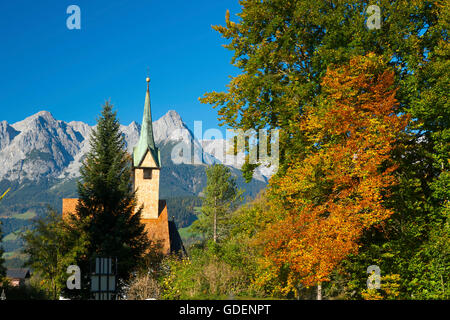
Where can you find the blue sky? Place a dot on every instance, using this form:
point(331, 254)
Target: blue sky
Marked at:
point(45, 66)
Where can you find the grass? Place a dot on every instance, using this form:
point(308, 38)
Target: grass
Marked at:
point(188, 237)
point(10, 237)
point(185, 232)
point(7, 255)
point(30, 214)
point(14, 259)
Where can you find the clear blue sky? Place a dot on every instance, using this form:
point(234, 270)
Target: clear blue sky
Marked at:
point(45, 66)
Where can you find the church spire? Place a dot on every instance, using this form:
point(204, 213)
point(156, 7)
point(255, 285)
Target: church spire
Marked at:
point(146, 140)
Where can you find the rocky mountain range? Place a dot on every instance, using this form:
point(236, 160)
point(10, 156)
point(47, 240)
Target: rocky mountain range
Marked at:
point(40, 159)
point(42, 147)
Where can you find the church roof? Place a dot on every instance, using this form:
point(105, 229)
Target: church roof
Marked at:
point(146, 140)
point(176, 243)
point(20, 273)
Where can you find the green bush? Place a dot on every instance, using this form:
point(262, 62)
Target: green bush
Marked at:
point(212, 271)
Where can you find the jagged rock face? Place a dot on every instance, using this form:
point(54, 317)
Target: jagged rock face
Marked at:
point(41, 146)
point(7, 134)
point(170, 127)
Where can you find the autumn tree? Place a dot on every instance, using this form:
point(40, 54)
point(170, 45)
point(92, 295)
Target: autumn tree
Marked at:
point(326, 201)
point(283, 48)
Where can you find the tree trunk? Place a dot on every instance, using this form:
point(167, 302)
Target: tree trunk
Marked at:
point(319, 291)
point(215, 226)
point(297, 292)
point(53, 285)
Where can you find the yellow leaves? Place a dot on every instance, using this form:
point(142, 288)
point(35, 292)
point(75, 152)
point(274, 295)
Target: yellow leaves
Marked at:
point(4, 194)
point(227, 17)
point(329, 198)
point(371, 294)
point(390, 285)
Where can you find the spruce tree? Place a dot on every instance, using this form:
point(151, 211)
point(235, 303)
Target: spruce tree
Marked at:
point(106, 208)
point(220, 198)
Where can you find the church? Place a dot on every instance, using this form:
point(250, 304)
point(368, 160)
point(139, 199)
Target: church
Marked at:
point(146, 168)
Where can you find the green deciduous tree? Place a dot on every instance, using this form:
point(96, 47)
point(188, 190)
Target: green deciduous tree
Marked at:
point(52, 245)
point(220, 197)
point(283, 49)
point(106, 209)
point(211, 272)
point(2, 260)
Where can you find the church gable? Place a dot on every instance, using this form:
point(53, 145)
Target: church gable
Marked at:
point(148, 160)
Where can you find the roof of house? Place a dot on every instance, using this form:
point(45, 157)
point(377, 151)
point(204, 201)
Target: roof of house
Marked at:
point(176, 243)
point(18, 273)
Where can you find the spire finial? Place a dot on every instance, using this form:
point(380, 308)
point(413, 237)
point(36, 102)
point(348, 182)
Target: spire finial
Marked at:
point(148, 78)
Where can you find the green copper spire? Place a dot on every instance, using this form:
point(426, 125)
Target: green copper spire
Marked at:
point(146, 141)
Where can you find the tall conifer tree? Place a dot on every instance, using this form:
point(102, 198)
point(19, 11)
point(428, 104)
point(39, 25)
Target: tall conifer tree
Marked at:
point(107, 203)
point(221, 196)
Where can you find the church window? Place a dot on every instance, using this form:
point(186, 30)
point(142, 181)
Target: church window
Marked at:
point(147, 173)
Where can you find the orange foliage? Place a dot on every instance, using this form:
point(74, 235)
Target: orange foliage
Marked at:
point(327, 200)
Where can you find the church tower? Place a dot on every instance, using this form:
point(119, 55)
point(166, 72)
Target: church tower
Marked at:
point(147, 165)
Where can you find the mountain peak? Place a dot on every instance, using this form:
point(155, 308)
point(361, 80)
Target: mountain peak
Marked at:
point(169, 125)
point(172, 112)
point(173, 116)
point(44, 113)
point(39, 116)
point(41, 146)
